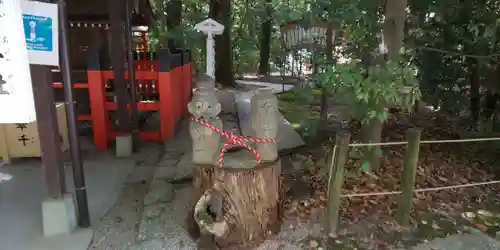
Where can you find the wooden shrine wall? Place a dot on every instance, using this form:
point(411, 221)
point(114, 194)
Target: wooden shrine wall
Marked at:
point(80, 39)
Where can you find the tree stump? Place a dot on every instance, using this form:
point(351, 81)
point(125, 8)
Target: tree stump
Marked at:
point(202, 178)
point(243, 205)
point(202, 181)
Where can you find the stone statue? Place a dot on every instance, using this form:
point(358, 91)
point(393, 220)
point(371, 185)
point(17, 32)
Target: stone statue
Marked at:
point(205, 106)
point(205, 82)
point(264, 119)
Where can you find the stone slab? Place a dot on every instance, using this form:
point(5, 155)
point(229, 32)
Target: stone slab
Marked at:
point(58, 216)
point(288, 137)
point(160, 192)
point(105, 180)
point(141, 174)
point(276, 87)
point(21, 197)
point(124, 145)
point(78, 240)
point(165, 172)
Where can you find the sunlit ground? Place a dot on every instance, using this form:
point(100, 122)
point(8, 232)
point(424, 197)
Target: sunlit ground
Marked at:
point(5, 177)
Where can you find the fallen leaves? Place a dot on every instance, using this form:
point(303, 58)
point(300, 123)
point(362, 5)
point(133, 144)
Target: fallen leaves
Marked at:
point(438, 165)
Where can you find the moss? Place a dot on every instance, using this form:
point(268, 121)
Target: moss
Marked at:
point(295, 112)
point(295, 108)
point(436, 228)
point(489, 219)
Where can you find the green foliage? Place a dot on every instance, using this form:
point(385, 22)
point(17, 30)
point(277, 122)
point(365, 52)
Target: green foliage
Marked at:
point(458, 33)
point(448, 41)
point(369, 92)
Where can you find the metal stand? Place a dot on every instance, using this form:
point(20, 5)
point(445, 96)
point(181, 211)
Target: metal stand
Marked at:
point(76, 160)
point(132, 85)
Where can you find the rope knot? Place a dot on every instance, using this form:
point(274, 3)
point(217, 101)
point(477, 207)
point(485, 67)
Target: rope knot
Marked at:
point(233, 139)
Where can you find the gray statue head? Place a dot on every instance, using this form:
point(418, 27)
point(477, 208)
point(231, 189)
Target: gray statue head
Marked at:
point(205, 82)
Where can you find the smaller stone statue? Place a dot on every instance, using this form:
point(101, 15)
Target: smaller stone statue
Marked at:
point(205, 106)
point(205, 82)
point(264, 115)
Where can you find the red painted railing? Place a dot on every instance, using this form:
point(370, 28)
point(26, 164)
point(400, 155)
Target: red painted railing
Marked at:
point(171, 90)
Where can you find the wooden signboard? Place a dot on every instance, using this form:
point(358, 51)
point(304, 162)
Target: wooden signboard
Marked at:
point(22, 140)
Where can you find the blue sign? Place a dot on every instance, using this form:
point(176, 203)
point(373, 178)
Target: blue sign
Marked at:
point(38, 32)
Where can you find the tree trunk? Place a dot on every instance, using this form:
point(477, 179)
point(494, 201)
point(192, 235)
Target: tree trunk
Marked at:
point(265, 41)
point(490, 103)
point(220, 10)
point(174, 21)
point(394, 24)
point(474, 97)
point(393, 32)
point(241, 207)
point(372, 133)
point(162, 24)
point(492, 94)
point(491, 98)
point(325, 95)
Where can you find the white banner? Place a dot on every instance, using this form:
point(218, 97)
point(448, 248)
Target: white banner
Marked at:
point(16, 93)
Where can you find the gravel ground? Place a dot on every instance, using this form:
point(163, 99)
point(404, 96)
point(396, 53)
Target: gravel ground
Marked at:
point(118, 229)
point(473, 240)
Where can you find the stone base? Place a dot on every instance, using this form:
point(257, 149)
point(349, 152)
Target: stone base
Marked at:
point(124, 145)
point(59, 216)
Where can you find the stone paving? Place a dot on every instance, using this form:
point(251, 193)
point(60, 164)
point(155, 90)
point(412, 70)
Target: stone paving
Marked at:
point(472, 240)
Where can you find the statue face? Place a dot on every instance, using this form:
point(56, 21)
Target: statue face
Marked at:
point(204, 105)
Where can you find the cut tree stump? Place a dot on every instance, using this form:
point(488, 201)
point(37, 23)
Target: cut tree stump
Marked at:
point(202, 178)
point(242, 206)
point(202, 181)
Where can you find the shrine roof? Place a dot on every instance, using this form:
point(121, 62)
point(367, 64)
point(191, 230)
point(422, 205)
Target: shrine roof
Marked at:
point(97, 11)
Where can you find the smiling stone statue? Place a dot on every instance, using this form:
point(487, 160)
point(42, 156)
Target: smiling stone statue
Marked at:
point(205, 106)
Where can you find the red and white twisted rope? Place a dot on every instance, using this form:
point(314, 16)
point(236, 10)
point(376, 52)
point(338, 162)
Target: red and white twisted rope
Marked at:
point(233, 139)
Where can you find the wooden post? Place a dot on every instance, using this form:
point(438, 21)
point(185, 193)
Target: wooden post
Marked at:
point(131, 79)
point(336, 164)
point(97, 96)
point(48, 131)
point(176, 73)
point(117, 31)
point(166, 92)
point(408, 176)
